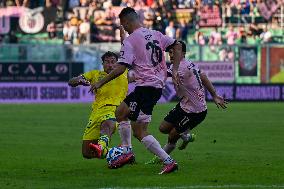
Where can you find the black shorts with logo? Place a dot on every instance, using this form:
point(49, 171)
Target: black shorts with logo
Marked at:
point(183, 120)
point(143, 98)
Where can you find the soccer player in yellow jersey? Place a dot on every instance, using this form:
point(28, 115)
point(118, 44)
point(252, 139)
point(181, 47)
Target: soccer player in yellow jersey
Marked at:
point(102, 123)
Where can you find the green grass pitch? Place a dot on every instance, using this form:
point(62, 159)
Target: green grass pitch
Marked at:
point(240, 147)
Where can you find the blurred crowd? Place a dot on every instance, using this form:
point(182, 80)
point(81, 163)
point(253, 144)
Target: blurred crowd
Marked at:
point(30, 3)
point(91, 21)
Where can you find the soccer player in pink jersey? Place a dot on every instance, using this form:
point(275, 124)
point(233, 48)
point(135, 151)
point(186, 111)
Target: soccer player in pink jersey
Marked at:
point(192, 108)
point(143, 50)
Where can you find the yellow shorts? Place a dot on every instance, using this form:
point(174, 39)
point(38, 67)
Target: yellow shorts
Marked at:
point(93, 128)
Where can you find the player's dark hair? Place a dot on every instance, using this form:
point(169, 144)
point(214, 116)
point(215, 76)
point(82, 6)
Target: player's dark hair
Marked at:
point(183, 46)
point(109, 54)
point(128, 11)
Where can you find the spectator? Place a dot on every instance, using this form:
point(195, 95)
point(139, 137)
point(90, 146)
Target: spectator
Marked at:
point(182, 31)
point(65, 32)
point(94, 5)
point(51, 29)
point(171, 30)
point(242, 35)
point(24, 3)
point(255, 30)
point(254, 9)
point(124, 3)
point(100, 18)
point(266, 35)
point(149, 18)
point(199, 38)
point(73, 3)
point(231, 36)
point(167, 17)
point(52, 3)
point(245, 7)
point(235, 7)
point(140, 3)
point(84, 3)
point(109, 15)
point(107, 4)
point(159, 24)
point(208, 2)
point(228, 11)
point(215, 37)
point(84, 35)
point(73, 31)
point(226, 54)
point(149, 2)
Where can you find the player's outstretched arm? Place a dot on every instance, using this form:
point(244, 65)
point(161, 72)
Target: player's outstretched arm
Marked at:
point(177, 49)
point(80, 80)
point(219, 101)
point(119, 69)
point(122, 34)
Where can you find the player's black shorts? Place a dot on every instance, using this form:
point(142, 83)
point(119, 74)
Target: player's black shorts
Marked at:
point(183, 120)
point(143, 98)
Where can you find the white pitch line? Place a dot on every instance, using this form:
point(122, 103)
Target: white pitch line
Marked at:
point(205, 186)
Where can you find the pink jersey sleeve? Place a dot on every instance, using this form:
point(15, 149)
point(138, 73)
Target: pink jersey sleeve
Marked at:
point(126, 53)
point(165, 41)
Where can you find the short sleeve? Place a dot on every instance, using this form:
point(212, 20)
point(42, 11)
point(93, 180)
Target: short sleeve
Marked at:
point(126, 55)
point(166, 41)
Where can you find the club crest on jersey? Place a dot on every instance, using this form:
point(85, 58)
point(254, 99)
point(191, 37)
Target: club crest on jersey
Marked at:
point(148, 37)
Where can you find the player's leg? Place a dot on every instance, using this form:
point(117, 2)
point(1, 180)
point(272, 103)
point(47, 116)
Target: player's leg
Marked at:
point(166, 128)
point(151, 144)
point(172, 136)
point(176, 118)
point(122, 114)
point(168, 125)
point(107, 121)
point(186, 138)
point(91, 135)
point(124, 128)
point(142, 109)
point(140, 132)
point(107, 129)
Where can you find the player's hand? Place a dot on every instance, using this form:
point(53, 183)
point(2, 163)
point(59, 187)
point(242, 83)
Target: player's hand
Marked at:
point(95, 87)
point(122, 33)
point(84, 82)
point(176, 78)
point(220, 102)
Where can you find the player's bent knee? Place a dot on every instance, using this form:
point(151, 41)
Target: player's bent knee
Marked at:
point(165, 127)
point(136, 135)
point(163, 130)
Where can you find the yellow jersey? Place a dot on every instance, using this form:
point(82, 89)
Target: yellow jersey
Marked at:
point(111, 93)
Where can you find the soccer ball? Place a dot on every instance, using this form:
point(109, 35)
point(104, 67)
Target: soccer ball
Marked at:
point(113, 154)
